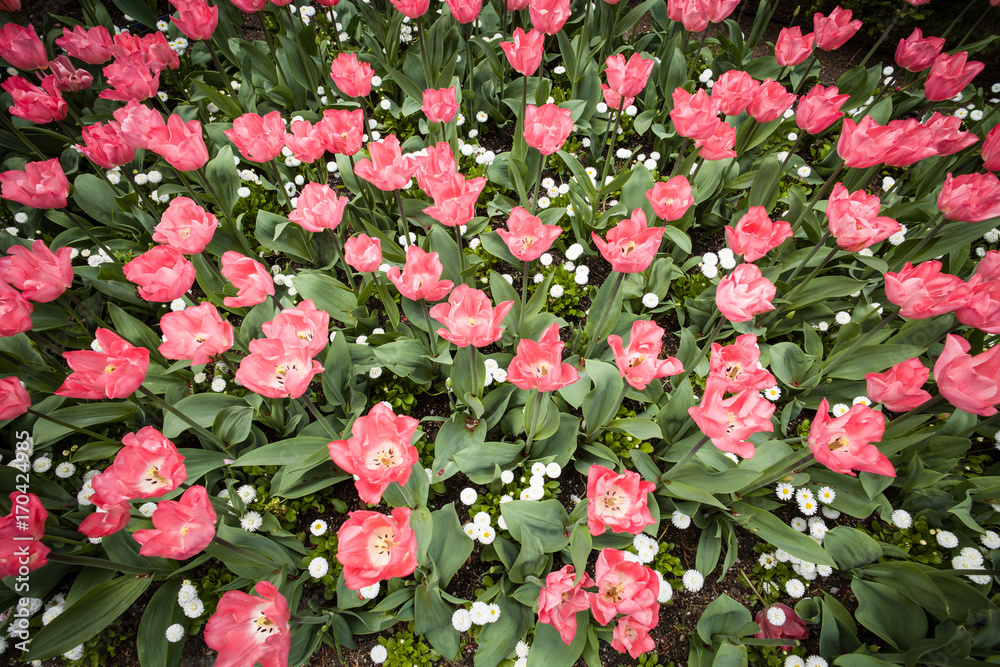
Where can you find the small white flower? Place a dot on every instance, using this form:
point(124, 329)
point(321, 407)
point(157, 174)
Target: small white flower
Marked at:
point(553, 470)
point(218, 385)
point(863, 400)
point(680, 520)
point(804, 171)
point(827, 495)
point(468, 496)
point(74, 653)
point(379, 654)
point(370, 592)
point(799, 524)
point(795, 588)
point(830, 513)
point(251, 521)
point(318, 567)
point(522, 649)
point(50, 614)
point(818, 530)
point(946, 539)
point(545, 259)
point(710, 271)
point(507, 477)
point(42, 464)
point(556, 291)
point(990, 540)
point(177, 305)
point(480, 613)
point(767, 561)
point(247, 493)
point(461, 620)
point(602, 107)
point(901, 519)
point(65, 470)
point(776, 616)
point(710, 258)
point(772, 393)
point(839, 410)
point(785, 491)
point(375, 372)
point(650, 300)
point(693, 580)
point(194, 609)
point(843, 317)
point(175, 633)
point(815, 661)
point(794, 661)
point(808, 506)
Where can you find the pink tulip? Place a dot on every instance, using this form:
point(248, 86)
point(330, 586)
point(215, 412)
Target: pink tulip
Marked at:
point(341, 130)
point(40, 274)
point(455, 200)
point(162, 274)
point(436, 167)
point(130, 79)
point(526, 237)
point(352, 77)
point(247, 630)
point(378, 453)
point(147, 466)
point(982, 305)
point(186, 226)
point(729, 422)
point(716, 11)
point(719, 144)
point(21, 47)
point(916, 53)
point(671, 199)
point(114, 372)
point(469, 317)
point(911, 142)
point(318, 207)
point(559, 600)
point(539, 365)
point(755, 234)
point(374, 547)
point(770, 101)
point(631, 245)
point(135, 120)
point(197, 333)
point(738, 365)
point(91, 45)
point(628, 78)
point(465, 11)
point(39, 105)
point(363, 253)
point(970, 197)
point(179, 143)
point(412, 8)
point(250, 6)
point(854, 219)
point(624, 587)
point(744, 293)
point(105, 146)
point(793, 627)
point(106, 522)
point(181, 528)
point(632, 637)
point(617, 501)
point(40, 185)
point(865, 144)
point(614, 100)
point(439, 105)
point(694, 116)
point(947, 135)
point(276, 369)
point(970, 383)
point(900, 388)
point(733, 92)
point(387, 169)
point(303, 325)
point(10, 5)
point(69, 78)
point(14, 400)
point(306, 141)
point(249, 277)
point(833, 31)
point(259, 139)
point(792, 47)
point(922, 291)
point(196, 19)
point(421, 276)
point(157, 52)
point(950, 75)
point(547, 127)
point(689, 12)
point(21, 534)
point(15, 311)
point(524, 52)
point(548, 16)
point(991, 149)
point(640, 364)
point(819, 109)
point(844, 444)
point(989, 266)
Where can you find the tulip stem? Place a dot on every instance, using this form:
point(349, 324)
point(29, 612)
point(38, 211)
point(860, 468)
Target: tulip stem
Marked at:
point(423, 55)
point(753, 588)
point(311, 407)
point(836, 359)
point(150, 207)
point(791, 152)
point(771, 478)
point(885, 33)
point(339, 249)
point(618, 404)
point(534, 420)
point(809, 65)
point(403, 226)
point(276, 175)
point(469, 68)
point(476, 386)
point(524, 298)
point(704, 351)
point(60, 422)
point(815, 272)
point(680, 158)
point(957, 19)
point(431, 336)
point(461, 254)
point(519, 128)
point(697, 53)
point(942, 221)
point(20, 135)
point(82, 224)
point(818, 194)
point(79, 304)
point(611, 144)
point(85, 561)
point(201, 430)
point(667, 476)
point(200, 172)
point(604, 313)
point(538, 181)
point(222, 72)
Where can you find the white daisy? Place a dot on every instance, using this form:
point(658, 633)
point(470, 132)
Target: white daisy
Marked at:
point(251, 521)
point(901, 519)
point(379, 654)
point(318, 527)
point(795, 588)
point(776, 616)
point(175, 633)
point(693, 580)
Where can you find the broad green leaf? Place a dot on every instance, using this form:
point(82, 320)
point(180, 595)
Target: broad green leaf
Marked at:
point(161, 612)
point(724, 616)
point(889, 614)
point(851, 548)
point(202, 409)
point(775, 531)
point(546, 519)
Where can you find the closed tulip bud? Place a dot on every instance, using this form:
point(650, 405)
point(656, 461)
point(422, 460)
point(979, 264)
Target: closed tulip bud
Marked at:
point(970, 383)
point(819, 109)
point(833, 31)
point(524, 51)
point(950, 75)
point(792, 47)
point(916, 53)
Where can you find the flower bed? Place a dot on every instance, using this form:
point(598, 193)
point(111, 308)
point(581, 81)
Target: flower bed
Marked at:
point(495, 335)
